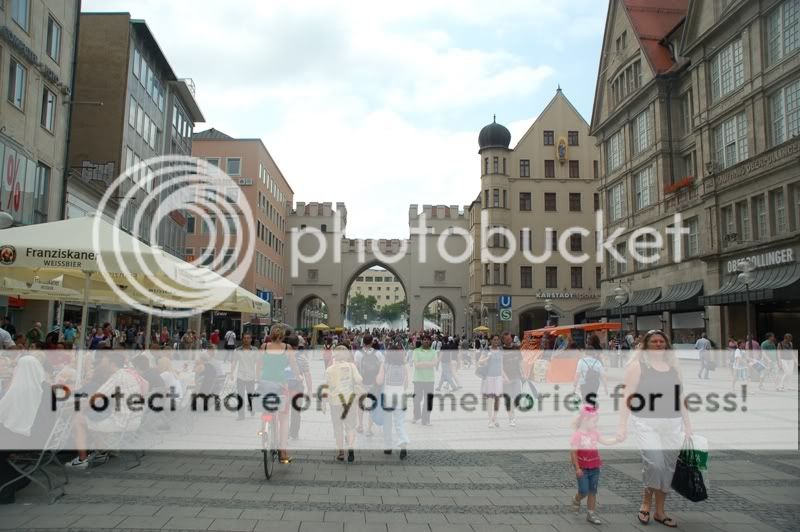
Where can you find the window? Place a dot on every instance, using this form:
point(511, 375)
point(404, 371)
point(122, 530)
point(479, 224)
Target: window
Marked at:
point(504, 166)
point(525, 240)
point(778, 204)
point(323, 228)
point(616, 202)
point(233, 165)
point(642, 134)
point(19, 13)
point(209, 225)
point(550, 201)
point(48, 117)
point(128, 158)
point(575, 242)
point(626, 82)
point(576, 277)
point(486, 197)
point(524, 201)
point(572, 138)
point(505, 199)
point(645, 187)
point(53, 38)
point(496, 165)
point(41, 190)
point(645, 252)
point(146, 127)
point(785, 106)
point(730, 141)
point(132, 113)
point(622, 267)
point(743, 217)
point(598, 275)
point(762, 228)
point(525, 168)
point(727, 70)
point(596, 202)
point(796, 193)
point(549, 138)
point(526, 277)
point(16, 84)
point(207, 256)
point(693, 237)
point(728, 225)
point(551, 277)
point(230, 225)
point(137, 62)
point(370, 279)
point(687, 120)
point(139, 119)
point(687, 165)
point(783, 30)
point(574, 169)
point(485, 165)
point(615, 152)
point(553, 240)
point(190, 225)
point(575, 201)
point(595, 169)
point(550, 168)
point(496, 197)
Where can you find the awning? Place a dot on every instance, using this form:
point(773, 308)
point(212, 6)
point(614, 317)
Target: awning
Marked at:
point(677, 297)
point(609, 307)
point(768, 284)
point(639, 299)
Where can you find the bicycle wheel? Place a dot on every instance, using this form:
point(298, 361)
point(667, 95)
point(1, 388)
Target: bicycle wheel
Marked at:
point(269, 450)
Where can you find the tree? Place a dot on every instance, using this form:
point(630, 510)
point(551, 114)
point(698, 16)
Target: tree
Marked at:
point(360, 305)
point(393, 312)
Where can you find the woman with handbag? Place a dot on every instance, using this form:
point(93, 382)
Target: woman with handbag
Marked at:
point(490, 369)
point(656, 420)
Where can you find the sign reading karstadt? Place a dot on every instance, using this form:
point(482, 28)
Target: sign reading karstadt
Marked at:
point(60, 254)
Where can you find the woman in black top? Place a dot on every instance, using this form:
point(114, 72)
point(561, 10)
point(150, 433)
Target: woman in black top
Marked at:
point(660, 427)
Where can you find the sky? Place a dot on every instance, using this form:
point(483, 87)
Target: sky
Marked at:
point(376, 104)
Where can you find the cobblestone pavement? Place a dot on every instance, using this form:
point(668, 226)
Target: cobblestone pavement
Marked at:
point(432, 491)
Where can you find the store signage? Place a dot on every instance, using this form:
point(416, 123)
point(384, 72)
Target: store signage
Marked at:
point(23, 50)
point(565, 295)
point(505, 314)
point(765, 161)
point(504, 302)
point(764, 260)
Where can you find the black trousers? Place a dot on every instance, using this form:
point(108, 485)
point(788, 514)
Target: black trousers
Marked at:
point(423, 391)
point(243, 388)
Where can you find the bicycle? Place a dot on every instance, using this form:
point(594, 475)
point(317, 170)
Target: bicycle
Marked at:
point(269, 442)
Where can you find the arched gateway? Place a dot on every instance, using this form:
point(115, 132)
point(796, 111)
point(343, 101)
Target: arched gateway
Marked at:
point(424, 274)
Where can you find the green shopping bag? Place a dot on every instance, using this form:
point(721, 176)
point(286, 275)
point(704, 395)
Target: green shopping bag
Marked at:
point(695, 452)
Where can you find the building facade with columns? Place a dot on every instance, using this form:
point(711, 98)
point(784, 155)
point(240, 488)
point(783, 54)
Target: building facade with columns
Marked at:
point(696, 113)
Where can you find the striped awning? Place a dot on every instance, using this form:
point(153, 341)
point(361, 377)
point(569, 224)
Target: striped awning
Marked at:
point(677, 297)
point(610, 307)
point(639, 299)
point(768, 284)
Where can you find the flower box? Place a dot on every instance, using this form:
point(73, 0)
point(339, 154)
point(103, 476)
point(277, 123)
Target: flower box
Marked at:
point(678, 185)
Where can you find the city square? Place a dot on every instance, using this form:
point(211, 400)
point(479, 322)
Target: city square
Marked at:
point(552, 233)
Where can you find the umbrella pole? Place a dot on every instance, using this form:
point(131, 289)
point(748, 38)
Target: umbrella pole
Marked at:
point(87, 279)
point(147, 330)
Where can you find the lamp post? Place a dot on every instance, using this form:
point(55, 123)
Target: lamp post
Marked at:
point(365, 321)
point(620, 297)
point(548, 306)
point(746, 268)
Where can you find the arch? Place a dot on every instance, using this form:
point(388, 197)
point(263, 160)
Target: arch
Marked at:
point(301, 307)
point(359, 269)
point(447, 302)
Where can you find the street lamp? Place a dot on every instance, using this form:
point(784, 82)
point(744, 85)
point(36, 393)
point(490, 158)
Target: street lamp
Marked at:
point(548, 306)
point(620, 297)
point(365, 321)
point(746, 277)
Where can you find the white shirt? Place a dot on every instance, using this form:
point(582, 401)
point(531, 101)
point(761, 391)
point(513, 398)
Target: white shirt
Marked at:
point(6, 342)
point(230, 338)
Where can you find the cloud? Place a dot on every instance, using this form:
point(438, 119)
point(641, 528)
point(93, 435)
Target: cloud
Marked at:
point(372, 104)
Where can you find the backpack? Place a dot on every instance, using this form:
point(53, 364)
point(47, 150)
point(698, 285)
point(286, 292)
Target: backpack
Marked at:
point(591, 381)
point(370, 366)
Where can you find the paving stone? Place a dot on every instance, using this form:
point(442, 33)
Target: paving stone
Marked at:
point(233, 525)
point(54, 521)
point(426, 518)
point(139, 521)
point(98, 521)
point(96, 509)
point(277, 526)
point(188, 523)
point(215, 512)
point(302, 516)
point(179, 511)
point(137, 509)
point(385, 517)
point(262, 513)
point(311, 526)
point(345, 517)
point(365, 527)
point(408, 527)
point(13, 522)
point(466, 518)
point(505, 519)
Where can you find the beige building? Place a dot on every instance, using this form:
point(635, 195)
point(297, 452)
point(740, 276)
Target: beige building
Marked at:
point(380, 284)
point(37, 57)
point(696, 111)
point(262, 185)
point(540, 188)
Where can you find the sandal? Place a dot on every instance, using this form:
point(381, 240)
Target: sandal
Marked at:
point(667, 522)
point(340, 456)
point(645, 514)
point(284, 458)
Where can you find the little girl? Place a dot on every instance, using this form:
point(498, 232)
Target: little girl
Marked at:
point(586, 460)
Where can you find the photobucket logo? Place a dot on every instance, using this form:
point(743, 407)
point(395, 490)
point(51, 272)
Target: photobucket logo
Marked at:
point(148, 200)
point(497, 243)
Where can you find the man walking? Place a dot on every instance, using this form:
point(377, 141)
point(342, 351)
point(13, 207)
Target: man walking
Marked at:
point(230, 343)
point(703, 345)
point(425, 360)
point(245, 359)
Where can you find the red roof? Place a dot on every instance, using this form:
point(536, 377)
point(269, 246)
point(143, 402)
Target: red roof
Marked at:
point(653, 20)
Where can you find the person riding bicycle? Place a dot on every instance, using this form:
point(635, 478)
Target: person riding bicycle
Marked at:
point(278, 356)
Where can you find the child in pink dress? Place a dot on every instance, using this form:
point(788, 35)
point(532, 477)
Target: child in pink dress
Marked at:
point(586, 460)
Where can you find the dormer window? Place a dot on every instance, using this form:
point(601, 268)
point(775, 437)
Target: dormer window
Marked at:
point(626, 82)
